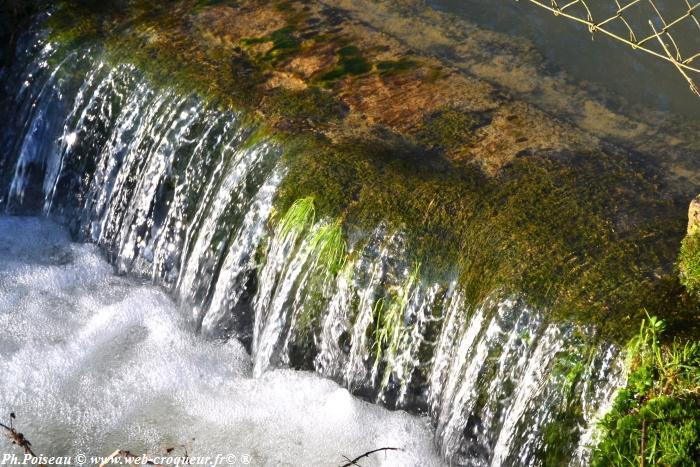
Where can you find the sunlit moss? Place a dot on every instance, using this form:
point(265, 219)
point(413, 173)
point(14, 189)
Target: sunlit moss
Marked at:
point(689, 263)
point(350, 62)
point(541, 229)
point(660, 403)
point(329, 249)
point(388, 68)
point(327, 255)
point(300, 215)
point(450, 129)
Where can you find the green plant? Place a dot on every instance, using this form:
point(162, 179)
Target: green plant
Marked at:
point(300, 215)
point(659, 408)
point(449, 128)
point(390, 329)
point(350, 62)
point(388, 68)
point(304, 108)
point(327, 256)
point(329, 249)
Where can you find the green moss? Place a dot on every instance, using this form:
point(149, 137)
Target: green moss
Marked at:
point(300, 215)
point(661, 402)
point(689, 263)
point(206, 3)
point(560, 437)
point(350, 62)
point(284, 43)
point(388, 68)
point(389, 328)
point(327, 256)
point(449, 129)
point(305, 108)
point(284, 6)
point(542, 229)
point(329, 249)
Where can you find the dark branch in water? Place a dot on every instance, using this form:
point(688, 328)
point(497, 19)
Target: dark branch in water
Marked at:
point(16, 437)
point(367, 454)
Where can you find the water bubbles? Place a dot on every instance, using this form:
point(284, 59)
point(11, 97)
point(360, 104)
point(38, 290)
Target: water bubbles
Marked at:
point(71, 139)
point(339, 404)
point(115, 364)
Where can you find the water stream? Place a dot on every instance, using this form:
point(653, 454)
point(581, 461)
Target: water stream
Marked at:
point(94, 362)
point(179, 194)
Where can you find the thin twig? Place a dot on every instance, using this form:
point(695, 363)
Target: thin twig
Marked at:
point(367, 454)
point(18, 438)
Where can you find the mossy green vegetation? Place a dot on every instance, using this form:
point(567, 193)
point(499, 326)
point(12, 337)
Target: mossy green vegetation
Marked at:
point(657, 414)
point(562, 433)
point(299, 216)
point(542, 229)
point(284, 44)
point(327, 255)
point(389, 323)
point(450, 129)
point(329, 249)
point(689, 263)
point(305, 109)
point(587, 236)
point(396, 67)
point(350, 62)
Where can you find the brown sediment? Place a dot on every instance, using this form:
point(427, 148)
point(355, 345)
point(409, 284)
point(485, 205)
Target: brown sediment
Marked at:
point(392, 87)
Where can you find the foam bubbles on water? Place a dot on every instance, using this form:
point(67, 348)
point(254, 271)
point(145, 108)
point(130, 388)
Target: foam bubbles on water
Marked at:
point(94, 362)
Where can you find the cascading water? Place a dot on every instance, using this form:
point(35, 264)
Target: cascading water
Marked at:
point(180, 193)
point(94, 362)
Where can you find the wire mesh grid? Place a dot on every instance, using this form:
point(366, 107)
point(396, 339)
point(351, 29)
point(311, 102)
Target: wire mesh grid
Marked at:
point(667, 29)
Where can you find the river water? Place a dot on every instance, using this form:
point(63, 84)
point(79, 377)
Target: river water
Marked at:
point(92, 362)
point(179, 194)
point(616, 73)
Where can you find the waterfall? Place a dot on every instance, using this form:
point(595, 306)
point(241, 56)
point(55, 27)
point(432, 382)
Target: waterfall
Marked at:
point(182, 193)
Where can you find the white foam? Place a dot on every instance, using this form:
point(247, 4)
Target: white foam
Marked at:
point(94, 362)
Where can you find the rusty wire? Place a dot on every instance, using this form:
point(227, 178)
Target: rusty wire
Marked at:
point(666, 29)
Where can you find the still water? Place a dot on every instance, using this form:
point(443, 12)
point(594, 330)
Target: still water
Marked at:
point(613, 69)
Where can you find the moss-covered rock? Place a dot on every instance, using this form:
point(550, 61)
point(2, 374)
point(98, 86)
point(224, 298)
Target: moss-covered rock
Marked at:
point(689, 263)
point(689, 257)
